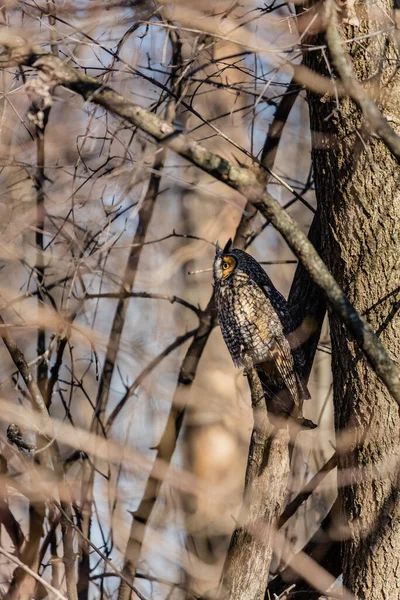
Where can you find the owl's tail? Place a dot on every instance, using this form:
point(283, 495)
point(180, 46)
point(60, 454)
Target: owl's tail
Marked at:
point(280, 402)
point(304, 394)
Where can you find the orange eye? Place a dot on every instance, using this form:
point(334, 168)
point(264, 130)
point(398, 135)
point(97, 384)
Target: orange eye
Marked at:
point(228, 264)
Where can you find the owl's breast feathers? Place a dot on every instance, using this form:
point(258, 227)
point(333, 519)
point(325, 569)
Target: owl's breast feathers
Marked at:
point(255, 322)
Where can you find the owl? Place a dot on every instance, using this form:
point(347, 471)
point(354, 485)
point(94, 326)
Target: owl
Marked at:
point(255, 324)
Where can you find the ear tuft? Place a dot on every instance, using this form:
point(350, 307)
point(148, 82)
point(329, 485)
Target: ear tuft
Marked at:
point(217, 248)
point(227, 245)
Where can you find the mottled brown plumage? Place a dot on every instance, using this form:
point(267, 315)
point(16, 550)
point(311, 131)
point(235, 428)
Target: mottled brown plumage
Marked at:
point(255, 323)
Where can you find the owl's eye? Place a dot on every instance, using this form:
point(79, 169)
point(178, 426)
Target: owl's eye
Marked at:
point(228, 264)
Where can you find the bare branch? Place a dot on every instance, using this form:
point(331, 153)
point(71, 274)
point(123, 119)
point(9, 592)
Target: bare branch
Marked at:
point(241, 179)
point(324, 547)
point(51, 459)
point(151, 295)
point(25, 372)
point(306, 492)
point(23, 566)
point(246, 568)
point(275, 130)
point(146, 371)
point(98, 551)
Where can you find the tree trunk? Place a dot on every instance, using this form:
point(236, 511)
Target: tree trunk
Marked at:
point(357, 187)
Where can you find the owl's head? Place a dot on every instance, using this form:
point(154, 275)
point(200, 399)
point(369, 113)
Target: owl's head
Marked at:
point(229, 261)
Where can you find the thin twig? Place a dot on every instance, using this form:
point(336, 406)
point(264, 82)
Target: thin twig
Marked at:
point(146, 371)
point(306, 492)
point(99, 552)
point(23, 566)
point(126, 294)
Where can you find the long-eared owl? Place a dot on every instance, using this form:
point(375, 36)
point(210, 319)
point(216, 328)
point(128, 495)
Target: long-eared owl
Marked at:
point(255, 324)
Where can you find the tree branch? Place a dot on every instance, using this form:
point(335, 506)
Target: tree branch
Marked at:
point(306, 492)
point(275, 130)
point(324, 548)
point(25, 372)
point(246, 569)
point(129, 568)
point(146, 371)
point(51, 459)
point(23, 566)
point(239, 178)
point(98, 551)
point(126, 294)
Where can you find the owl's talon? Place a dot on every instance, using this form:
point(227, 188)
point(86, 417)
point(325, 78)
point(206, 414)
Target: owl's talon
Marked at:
point(306, 423)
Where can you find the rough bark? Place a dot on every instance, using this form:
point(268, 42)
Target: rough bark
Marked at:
point(357, 186)
point(247, 568)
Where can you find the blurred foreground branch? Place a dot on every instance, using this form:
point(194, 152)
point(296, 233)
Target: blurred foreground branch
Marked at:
point(51, 459)
point(140, 516)
point(41, 580)
point(324, 548)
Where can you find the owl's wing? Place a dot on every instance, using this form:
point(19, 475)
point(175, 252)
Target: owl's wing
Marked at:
point(283, 360)
point(280, 306)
